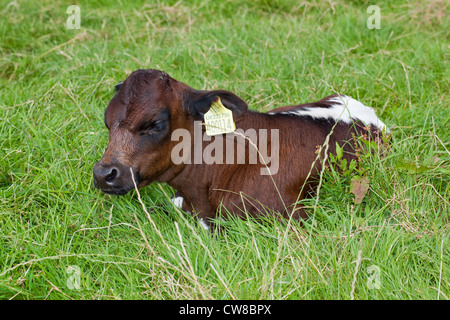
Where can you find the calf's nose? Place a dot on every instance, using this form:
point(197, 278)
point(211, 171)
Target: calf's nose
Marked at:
point(106, 177)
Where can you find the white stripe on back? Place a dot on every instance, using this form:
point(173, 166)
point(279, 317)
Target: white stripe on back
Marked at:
point(342, 108)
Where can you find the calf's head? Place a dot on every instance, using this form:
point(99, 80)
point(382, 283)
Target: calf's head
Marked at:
point(147, 108)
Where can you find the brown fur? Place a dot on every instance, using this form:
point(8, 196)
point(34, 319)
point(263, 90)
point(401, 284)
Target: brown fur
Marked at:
point(149, 95)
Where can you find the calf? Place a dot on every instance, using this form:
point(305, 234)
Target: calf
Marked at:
point(157, 133)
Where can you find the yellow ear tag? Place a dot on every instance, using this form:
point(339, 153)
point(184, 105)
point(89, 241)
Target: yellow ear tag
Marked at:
point(219, 119)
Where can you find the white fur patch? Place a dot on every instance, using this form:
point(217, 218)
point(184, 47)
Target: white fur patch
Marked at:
point(177, 202)
point(204, 224)
point(345, 109)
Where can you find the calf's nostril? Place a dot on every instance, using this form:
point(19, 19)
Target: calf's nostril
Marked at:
point(111, 175)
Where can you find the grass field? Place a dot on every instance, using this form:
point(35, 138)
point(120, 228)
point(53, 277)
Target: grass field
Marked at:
point(60, 238)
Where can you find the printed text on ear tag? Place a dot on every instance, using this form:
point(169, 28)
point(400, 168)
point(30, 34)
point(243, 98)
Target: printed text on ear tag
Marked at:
point(219, 119)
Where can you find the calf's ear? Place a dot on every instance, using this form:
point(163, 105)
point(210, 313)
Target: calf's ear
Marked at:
point(198, 103)
point(117, 86)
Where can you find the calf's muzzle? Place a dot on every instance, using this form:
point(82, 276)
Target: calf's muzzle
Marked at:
point(114, 178)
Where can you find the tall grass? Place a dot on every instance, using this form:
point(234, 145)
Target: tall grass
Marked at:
point(55, 84)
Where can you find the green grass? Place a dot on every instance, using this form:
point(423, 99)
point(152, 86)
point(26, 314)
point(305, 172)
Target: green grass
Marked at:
point(55, 84)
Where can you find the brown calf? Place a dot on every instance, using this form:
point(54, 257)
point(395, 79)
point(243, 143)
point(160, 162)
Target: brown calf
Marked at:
point(148, 120)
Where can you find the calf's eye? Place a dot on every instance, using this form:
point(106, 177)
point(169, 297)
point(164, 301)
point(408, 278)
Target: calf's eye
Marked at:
point(157, 126)
point(154, 128)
